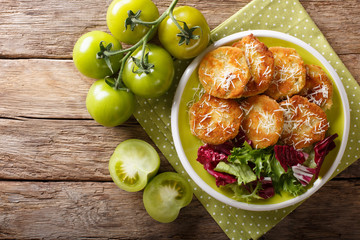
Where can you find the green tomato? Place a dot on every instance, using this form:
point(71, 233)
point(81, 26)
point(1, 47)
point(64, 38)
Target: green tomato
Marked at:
point(132, 164)
point(168, 33)
point(158, 80)
point(85, 50)
point(108, 106)
point(165, 195)
point(117, 13)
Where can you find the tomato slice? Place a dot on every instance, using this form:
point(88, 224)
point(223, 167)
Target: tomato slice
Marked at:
point(165, 195)
point(133, 163)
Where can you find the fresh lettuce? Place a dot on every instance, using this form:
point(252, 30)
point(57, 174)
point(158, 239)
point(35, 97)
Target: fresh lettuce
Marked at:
point(242, 172)
point(260, 173)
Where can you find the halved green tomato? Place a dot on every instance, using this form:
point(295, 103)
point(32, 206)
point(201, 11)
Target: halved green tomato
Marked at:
point(165, 195)
point(133, 163)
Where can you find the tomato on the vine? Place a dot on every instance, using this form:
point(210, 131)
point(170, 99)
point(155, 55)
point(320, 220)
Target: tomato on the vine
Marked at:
point(108, 106)
point(117, 13)
point(168, 31)
point(157, 80)
point(85, 50)
point(133, 163)
point(165, 195)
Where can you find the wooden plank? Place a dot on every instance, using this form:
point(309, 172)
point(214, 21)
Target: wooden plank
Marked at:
point(42, 88)
point(49, 29)
point(84, 210)
point(73, 210)
point(61, 149)
point(322, 216)
point(35, 149)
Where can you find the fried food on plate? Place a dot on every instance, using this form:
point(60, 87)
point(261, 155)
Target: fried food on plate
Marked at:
point(215, 120)
point(261, 63)
point(290, 73)
point(318, 87)
point(224, 72)
point(263, 120)
point(305, 122)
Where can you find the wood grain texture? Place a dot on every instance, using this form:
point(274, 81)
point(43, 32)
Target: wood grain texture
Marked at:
point(49, 29)
point(323, 216)
point(54, 181)
point(84, 210)
point(42, 88)
point(33, 149)
point(71, 150)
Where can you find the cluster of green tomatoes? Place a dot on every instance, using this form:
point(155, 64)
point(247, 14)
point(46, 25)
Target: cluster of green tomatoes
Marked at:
point(146, 70)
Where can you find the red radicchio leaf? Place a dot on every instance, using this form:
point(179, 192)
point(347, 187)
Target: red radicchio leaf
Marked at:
point(303, 174)
point(288, 156)
point(210, 157)
point(221, 178)
point(322, 149)
point(267, 189)
point(224, 148)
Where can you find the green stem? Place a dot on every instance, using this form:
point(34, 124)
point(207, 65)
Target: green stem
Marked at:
point(143, 55)
point(142, 41)
point(176, 23)
point(154, 26)
point(118, 82)
point(148, 24)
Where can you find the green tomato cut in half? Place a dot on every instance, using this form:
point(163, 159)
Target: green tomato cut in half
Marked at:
point(165, 195)
point(133, 163)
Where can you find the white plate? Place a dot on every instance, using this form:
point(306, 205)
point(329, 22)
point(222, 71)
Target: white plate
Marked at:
point(175, 122)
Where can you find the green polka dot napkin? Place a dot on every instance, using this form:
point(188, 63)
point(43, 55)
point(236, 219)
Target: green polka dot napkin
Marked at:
point(279, 15)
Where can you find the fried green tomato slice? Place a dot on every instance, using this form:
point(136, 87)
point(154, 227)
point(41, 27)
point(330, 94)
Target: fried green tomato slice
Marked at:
point(224, 72)
point(263, 120)
point(318, 87)
point(305, 123)
point(290, 73)
point(261, 63)
point(215, 120)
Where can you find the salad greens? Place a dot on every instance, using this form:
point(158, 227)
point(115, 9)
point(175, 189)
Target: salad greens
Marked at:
point(261, 173)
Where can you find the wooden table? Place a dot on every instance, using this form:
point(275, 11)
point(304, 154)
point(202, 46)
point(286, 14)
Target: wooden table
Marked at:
point(54, 181)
